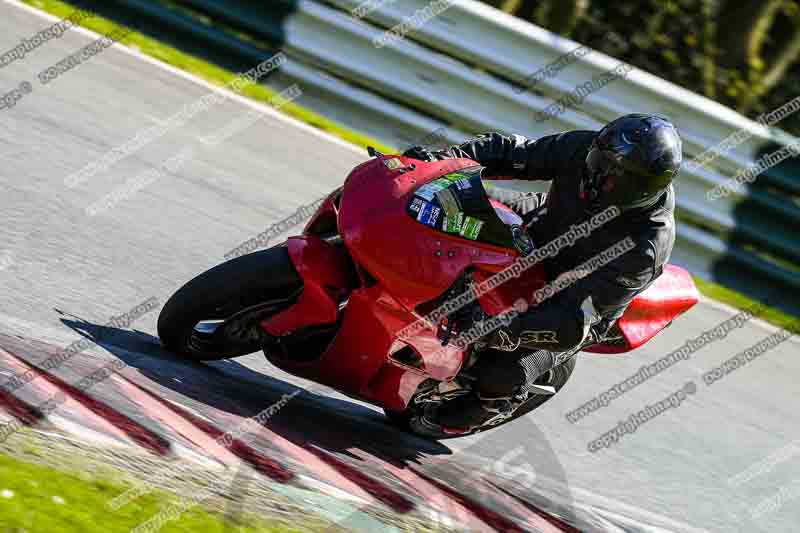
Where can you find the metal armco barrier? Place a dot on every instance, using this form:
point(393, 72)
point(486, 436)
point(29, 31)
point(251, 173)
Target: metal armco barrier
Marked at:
point(463, 71)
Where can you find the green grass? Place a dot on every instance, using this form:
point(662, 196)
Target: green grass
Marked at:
point(222, 77)
point(37, 499)
point(739, 301)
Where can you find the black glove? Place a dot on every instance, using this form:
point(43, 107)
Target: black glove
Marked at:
point(419, 152)
point(600, 331)
point(423, 154)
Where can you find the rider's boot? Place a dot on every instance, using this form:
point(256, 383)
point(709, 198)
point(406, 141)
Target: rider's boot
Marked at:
point(462, 413)
point(500, 375)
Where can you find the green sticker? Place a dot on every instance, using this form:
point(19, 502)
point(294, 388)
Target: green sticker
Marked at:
point(448, 201)
point(453, 223)
point(452, 178)
point(471, 228)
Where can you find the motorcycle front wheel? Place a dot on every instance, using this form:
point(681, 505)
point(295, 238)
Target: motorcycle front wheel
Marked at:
point(215, 315)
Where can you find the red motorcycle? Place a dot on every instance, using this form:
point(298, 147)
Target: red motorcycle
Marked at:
point(345, 303)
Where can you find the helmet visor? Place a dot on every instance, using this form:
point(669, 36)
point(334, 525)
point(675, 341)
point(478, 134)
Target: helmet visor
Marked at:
point(612, 183)
point(602, 163)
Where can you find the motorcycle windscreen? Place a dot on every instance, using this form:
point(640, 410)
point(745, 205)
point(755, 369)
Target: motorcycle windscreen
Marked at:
point(457, 204)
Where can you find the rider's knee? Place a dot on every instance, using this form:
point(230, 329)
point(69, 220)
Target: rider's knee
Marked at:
point(498, 373)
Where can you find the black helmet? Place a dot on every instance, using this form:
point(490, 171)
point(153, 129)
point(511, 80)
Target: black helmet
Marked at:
point(631, 162)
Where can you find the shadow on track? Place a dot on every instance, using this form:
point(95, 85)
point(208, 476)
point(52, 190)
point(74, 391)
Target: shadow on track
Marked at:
point(491, 477)
point(238, 390)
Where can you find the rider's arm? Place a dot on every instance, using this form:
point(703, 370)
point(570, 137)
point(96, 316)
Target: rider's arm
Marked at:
point(588, 307)
point(516, 157)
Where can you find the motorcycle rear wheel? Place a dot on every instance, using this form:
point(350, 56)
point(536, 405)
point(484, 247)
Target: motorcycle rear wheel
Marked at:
point(215, 315)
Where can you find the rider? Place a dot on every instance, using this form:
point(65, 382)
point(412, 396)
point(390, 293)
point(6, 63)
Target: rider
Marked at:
point(630, 164)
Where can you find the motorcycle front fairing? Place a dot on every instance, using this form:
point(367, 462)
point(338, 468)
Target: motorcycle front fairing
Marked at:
point(403, 261)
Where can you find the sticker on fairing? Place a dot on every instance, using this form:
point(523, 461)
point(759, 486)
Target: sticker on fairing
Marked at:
point(453, 223)
point(425, 192)
point(416, 205)
point(463, 184)
point(429, 214)
point(428, 190)
point(393, 163)
point(471, 228)
point(448, 201)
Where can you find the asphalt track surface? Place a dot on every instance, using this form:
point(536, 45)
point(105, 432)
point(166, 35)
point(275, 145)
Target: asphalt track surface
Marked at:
point(65, 274)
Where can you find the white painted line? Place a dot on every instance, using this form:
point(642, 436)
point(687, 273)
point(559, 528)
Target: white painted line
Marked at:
point(183, 452)
point(191, 77)
point(196, 413)
point(84, 433)
point(330, 490)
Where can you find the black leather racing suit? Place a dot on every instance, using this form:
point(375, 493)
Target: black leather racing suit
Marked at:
point(581, 313)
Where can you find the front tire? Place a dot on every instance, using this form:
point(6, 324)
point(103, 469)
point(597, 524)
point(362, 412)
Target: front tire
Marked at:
point(215, 315)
